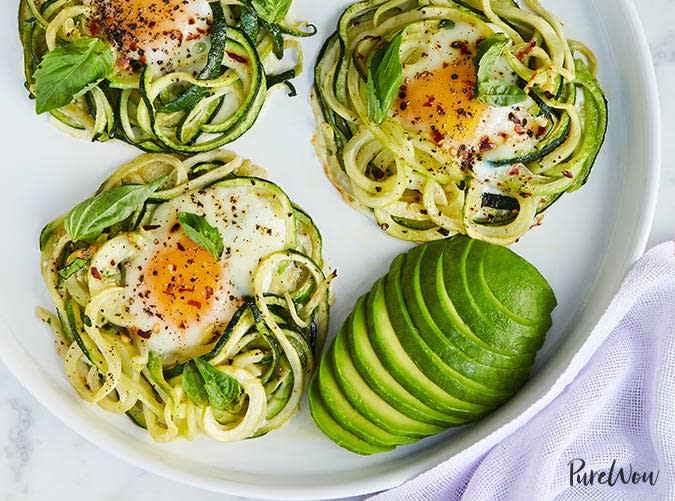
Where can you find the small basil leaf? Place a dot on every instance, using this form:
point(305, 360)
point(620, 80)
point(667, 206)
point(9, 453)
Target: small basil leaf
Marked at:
point(193, 385)
point(223, 390)
point(68, 70)
point(488, 53)
point(202, 233)
point(68, 271)
point(500, 93)
point(385, 76)
point(93, 216)
point(272, 11)
point(447, 24)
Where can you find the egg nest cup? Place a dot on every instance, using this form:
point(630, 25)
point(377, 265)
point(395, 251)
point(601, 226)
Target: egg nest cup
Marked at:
point(153, 322)
point(187, 76)
point(488, 116)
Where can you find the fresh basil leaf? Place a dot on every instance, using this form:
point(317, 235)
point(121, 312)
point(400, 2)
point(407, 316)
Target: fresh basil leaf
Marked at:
point(488, 53)
point(68, 70)
point(500, 93)
point(68, 271)
point(156, 371)
point(193, 385)
point(447, 24)
point(385, 76)
point(272, 11)
point(223, 390)
point(202, 233)
point(93, 216)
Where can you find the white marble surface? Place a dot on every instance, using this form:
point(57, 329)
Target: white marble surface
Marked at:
point(42, 459)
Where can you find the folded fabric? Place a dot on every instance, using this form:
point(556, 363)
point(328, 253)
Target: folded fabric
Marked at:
point(608, 435)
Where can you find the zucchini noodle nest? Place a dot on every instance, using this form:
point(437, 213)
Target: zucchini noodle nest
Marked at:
point(152, 325)
point(495, 117)
point(189, 76)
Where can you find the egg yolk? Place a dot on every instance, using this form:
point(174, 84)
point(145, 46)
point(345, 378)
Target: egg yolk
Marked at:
point(442, 101)
point(182, 279)
point(138, 28)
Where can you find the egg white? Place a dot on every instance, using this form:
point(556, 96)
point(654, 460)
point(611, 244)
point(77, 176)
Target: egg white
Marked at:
point(166, 35)
point(252, 228)
point(505, 127)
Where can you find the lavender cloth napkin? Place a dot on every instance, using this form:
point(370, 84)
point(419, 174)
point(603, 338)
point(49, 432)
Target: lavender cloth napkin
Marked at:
point(608, 435)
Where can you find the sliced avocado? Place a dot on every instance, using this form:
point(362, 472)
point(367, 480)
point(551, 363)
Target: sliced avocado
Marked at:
point(480, 289)
point(432, 288)
point(444, 375)
point(333, 430)
point(342, 411)
point(533, 299)
point(368, 402)
point(394, 357)
point(370, 368)
point(453, 345)
point(456, 281)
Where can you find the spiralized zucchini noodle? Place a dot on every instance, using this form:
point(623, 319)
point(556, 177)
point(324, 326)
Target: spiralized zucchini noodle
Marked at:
point(263, 351)
point(422, 188)
point(182, 91)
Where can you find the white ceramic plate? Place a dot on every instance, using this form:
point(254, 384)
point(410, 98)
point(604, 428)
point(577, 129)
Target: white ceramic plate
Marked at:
point(586, 244)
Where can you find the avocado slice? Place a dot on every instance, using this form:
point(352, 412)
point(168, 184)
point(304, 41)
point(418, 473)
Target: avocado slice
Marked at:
point(453, 346)
point(497, 308)
point(369, 403)
point(333, 430)
point(499, 313)
point(444, 375)
point(345, 414)
point(533, 299)
point(443, 312)
point(370, 368)
point(456, 281)
point(385, 341)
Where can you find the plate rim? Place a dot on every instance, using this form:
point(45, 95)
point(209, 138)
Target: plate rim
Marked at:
point(18, 362)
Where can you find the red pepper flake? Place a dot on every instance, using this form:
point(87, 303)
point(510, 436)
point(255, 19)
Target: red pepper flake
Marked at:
point(150, 227)
point(93, 28)
point(209, 292)
point(521, 55)
point(568, 174)
point(514, 171)
point(174, 228)
point(519, 129)
point(181, 247)
point(186, 289)
point(144, 334)
point(513, 118)
point(124, 63)
point(237, 57)
point(437, 135)
point(194, 303)
point(486, 144)
point(95, 273)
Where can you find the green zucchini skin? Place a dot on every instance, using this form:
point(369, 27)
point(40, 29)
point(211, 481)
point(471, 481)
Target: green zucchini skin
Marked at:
point(211, 70)
point(188, 116)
